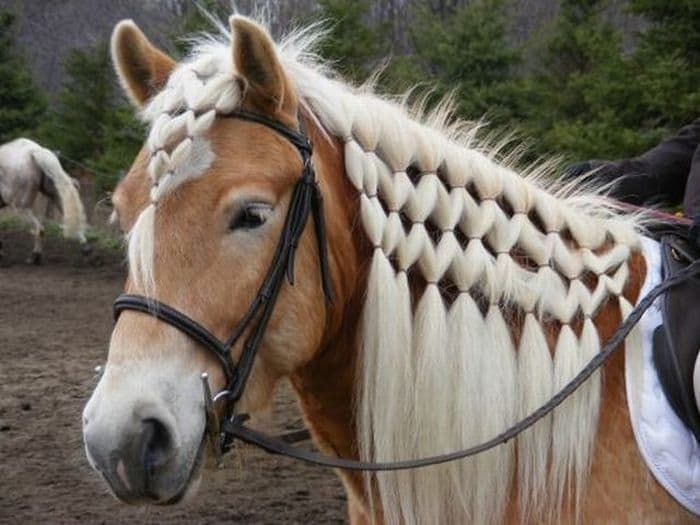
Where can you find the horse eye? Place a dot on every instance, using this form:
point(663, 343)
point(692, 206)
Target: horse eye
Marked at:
point(250, 216)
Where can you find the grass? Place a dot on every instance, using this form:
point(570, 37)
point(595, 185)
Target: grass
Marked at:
point(12, 222)
point(105, 240)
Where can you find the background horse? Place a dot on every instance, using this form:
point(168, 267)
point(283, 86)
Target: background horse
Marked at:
point(466, 294)
point(27, 169)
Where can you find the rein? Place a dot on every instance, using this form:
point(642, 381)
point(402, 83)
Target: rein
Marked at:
point(307, 200)
point(281, 446)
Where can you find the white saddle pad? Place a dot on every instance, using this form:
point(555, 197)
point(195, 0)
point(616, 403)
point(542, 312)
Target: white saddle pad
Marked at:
point(668, 447)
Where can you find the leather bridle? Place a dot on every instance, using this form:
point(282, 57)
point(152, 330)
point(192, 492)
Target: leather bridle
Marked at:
point(306, 200)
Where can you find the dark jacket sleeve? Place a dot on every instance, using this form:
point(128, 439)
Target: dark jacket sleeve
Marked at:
point(691, 199)
point(659, 175)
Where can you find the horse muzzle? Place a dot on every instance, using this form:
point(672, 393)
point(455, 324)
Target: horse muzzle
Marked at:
point(133, 468)
point(143, 448)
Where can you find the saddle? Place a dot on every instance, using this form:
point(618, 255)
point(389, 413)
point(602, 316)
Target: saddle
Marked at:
point(676, 341)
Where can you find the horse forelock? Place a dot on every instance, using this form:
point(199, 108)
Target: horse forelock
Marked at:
point(486, 242)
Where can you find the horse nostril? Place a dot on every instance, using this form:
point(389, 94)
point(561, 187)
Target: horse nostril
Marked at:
point(157, 445)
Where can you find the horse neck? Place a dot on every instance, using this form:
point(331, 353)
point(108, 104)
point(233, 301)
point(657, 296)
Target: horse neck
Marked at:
point(326, 385)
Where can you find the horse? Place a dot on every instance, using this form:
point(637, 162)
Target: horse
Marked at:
point(465, 293)
point(28, 169)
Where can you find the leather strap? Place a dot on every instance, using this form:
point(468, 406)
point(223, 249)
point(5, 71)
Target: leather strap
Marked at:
point(176, 319)
point(299, 140)
point(306, 200)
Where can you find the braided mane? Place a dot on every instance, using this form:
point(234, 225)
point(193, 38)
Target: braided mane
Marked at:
point(487, 245)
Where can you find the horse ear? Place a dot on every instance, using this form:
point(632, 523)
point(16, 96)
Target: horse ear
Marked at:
point(142, 68)
point(255, 59)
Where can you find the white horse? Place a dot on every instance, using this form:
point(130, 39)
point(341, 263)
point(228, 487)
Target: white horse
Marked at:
point(27, 169)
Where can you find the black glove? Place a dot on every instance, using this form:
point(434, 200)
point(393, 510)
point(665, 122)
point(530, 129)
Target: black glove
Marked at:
point(606, 171)
point(576, 170)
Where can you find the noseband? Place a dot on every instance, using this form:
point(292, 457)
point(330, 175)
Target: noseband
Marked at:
point(306, 199)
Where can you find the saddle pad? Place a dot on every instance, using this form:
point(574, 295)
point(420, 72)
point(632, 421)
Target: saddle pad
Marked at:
point(666, 444)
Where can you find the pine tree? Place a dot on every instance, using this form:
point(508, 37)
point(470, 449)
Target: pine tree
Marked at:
point(123, 136)
point(76, 125)
point(92, 123)
point(674, 27)
point(21, 102)
point(199, 18)
point(466, 51)
point(351, 44)
point(582, 103)
point(668, 62)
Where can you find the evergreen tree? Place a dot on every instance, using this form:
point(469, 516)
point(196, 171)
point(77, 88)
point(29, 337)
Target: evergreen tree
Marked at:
point(123, 136)
point(465, 49)
point(21, 102)
point(674, 27)
point(76, 126)
point(582, 103)
point(199, 18)
point(351, 43)
point(668, 62)
point(92, 122)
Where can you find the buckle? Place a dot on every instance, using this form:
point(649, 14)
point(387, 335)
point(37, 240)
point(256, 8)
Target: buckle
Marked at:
point(212, 425)
point(219, 432)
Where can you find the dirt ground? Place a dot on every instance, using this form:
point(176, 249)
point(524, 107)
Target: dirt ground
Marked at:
point(54, 325)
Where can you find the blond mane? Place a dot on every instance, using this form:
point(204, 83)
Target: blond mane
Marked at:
point(440, 373)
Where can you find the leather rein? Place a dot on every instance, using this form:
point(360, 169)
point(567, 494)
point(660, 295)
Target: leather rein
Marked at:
point(307, 200)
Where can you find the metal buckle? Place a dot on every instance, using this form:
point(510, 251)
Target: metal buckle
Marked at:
point(213, 426)
point(223, 393)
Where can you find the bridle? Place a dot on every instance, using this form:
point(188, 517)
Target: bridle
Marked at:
point(307, 200)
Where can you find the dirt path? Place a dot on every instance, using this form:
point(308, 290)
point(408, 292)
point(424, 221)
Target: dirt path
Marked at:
point(54, 324)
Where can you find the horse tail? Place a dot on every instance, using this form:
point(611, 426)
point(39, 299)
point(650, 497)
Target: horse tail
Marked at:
point(74, 222)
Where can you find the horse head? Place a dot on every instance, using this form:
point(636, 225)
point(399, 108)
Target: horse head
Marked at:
point(203, 207)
